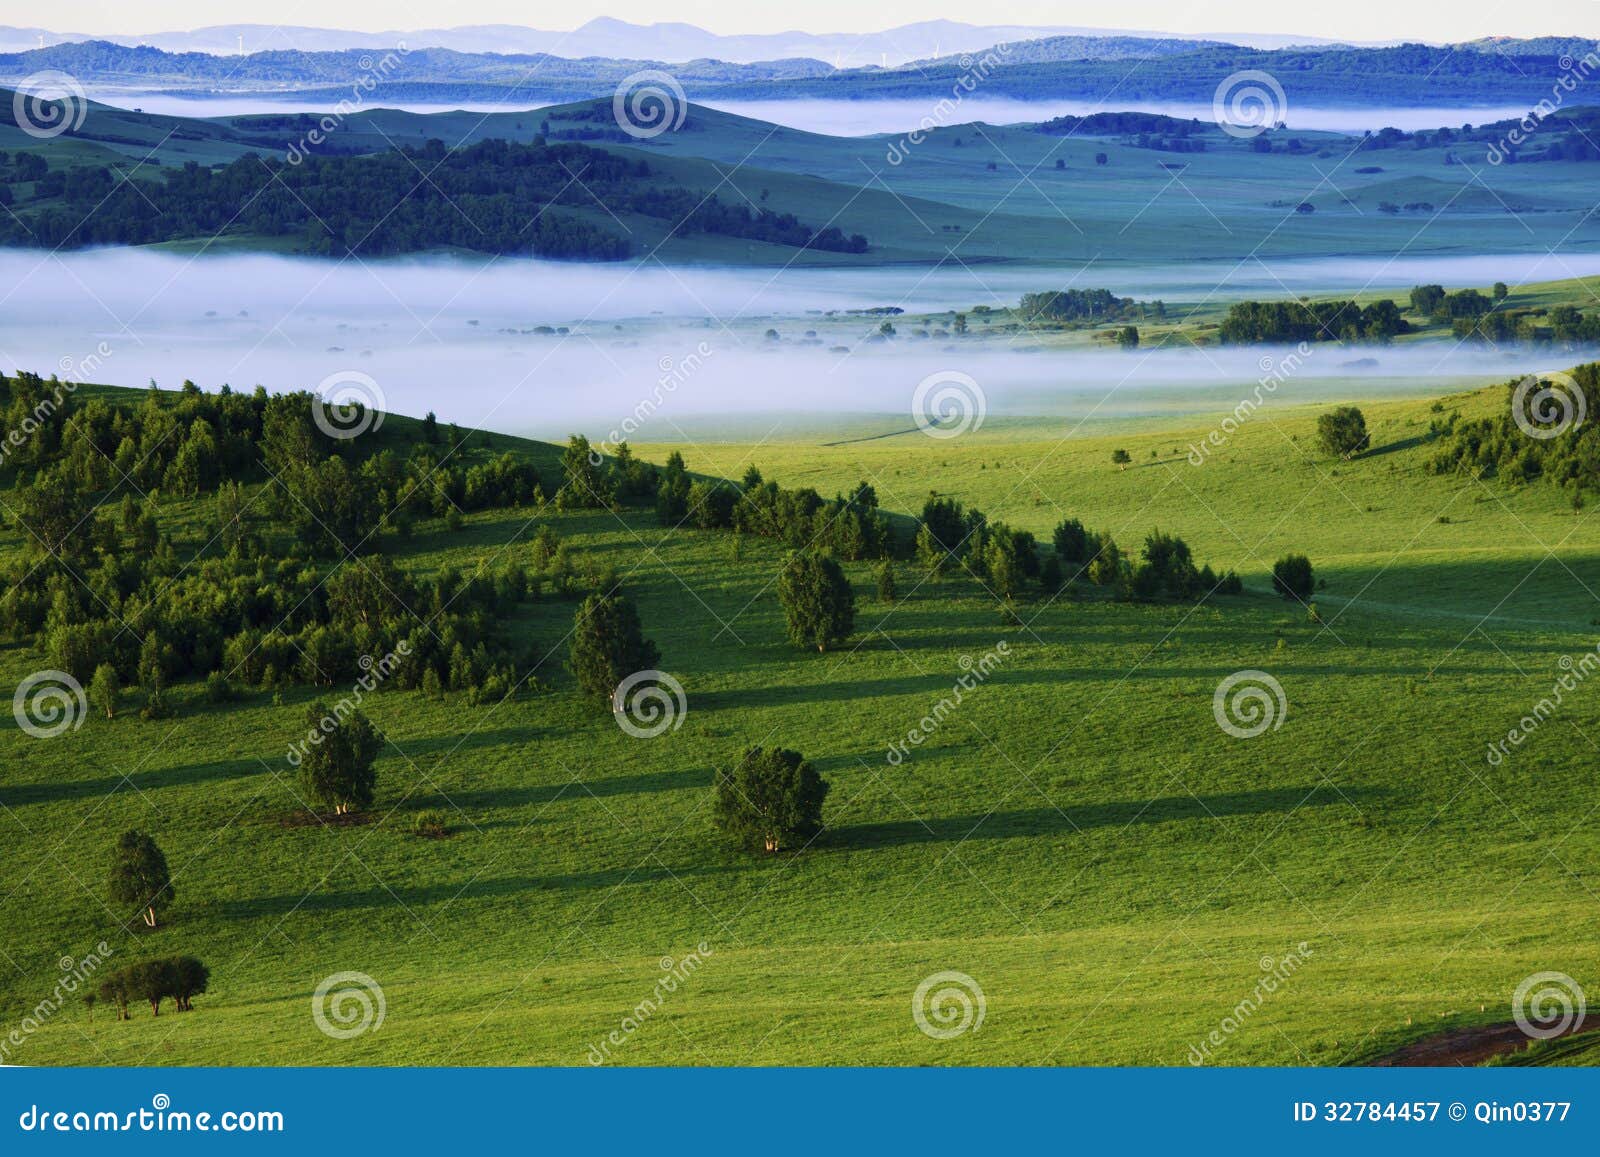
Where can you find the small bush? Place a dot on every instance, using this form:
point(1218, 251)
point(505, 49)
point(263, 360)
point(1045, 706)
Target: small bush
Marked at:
point(430, 822)
point(1291, 577)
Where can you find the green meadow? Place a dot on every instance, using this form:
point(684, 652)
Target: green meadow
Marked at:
point(1079, 837)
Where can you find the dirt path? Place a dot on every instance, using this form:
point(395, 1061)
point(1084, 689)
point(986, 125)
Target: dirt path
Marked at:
point(1466, 1046)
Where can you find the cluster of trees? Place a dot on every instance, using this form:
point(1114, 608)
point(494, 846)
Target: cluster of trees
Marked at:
point(1005, 559)
point(1256, 322)
point(1486, 447)
point(1562, 323)
point(494, 196)
point(849, 528)
point(106, 592)
point(1106, 124)
point(1432, 301)
point(1070, 305)
point(180, 978)
point(1165, 567)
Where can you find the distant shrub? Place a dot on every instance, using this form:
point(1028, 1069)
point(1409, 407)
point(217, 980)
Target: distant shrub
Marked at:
point(430, 822)
point(1343, 431)
point(1291, 577)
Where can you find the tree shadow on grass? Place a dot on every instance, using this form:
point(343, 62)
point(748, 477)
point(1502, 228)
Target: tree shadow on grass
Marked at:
point(1082, 818)
point(455, 892)
point(581, 789)
point(152, 779)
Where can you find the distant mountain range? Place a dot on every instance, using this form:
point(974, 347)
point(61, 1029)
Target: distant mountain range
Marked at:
point(1057, 68)
point(619, 39)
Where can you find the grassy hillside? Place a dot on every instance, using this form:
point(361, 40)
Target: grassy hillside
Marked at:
point(1079, 837)
point(969, 192)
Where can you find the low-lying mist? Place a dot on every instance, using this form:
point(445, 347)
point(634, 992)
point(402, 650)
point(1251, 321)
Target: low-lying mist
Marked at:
point(644, 354)
point(856, 118)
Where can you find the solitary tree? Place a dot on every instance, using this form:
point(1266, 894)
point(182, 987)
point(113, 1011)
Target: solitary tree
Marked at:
point(1291, 577)
point(113, 990)
point(1128, 337)
point(1121, 458)
point(105, 688)
point(1071, 541)
point(608, 644)
point(769, 799)
point(886, 587)
point(189, 979)
point(585, 486)
point(152, 980)
point(1343, 431)
point(139, 876)
point(1500, 291)
point(817, 600)
point(337, 770)
point(1106, 567)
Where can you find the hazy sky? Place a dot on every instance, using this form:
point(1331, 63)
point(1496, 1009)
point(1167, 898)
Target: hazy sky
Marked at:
point(1434, 20)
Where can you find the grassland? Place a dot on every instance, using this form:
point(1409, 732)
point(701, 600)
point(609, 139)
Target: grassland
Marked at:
point(1079, 837)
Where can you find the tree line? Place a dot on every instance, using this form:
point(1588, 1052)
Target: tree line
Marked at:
point(493, 196)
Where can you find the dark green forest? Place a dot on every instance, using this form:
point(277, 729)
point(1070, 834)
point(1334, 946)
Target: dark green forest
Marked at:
point(490, 197)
